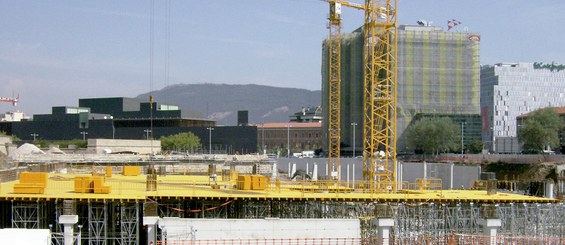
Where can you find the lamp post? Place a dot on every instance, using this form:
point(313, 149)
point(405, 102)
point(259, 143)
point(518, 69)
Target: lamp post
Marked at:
point(288, 141)
point(84, 135)
point(210, 140)
point(353, 124)
point(263, 138)
point(462, 137)
point(34, 135)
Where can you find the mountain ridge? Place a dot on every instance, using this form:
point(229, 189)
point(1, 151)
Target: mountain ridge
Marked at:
point(220, 102)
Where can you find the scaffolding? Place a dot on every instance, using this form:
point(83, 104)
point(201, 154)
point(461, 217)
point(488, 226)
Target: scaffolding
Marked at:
point(118, 222)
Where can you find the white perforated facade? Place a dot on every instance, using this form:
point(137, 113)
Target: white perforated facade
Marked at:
point(512, 89)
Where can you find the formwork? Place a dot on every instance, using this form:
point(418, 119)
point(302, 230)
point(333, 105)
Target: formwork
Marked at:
point(117, 217)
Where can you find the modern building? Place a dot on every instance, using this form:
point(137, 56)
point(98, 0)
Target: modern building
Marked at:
point(127, 118)
point(282, 138)
point(438, 73)
point(512, 89)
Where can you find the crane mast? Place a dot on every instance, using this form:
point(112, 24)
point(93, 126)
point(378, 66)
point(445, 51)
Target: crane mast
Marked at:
point(334, 73)
point(379, 96)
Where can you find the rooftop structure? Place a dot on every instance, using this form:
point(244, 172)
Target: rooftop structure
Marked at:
point(307, 114)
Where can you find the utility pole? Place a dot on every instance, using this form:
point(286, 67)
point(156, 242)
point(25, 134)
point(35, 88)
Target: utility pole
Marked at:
point(353, 124)
point(210, 140)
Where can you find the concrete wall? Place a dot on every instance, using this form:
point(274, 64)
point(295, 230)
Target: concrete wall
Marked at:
point(98, 146)
point(228, 229)
point(26, 236)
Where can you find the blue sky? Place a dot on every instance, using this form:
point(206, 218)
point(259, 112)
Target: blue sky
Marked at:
point(54, 52)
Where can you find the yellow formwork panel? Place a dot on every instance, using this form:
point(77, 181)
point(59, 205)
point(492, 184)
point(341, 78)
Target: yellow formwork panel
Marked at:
point(36, 178)
point(109, 171)
point(258, 182)
point(31, 183)
point(132, 170)
point(244, 182)
point(83, 184)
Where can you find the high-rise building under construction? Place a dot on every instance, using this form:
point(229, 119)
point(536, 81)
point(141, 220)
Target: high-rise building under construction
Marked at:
point(438, 74)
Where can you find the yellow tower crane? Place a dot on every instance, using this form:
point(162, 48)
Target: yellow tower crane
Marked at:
point(379, 96)
point(334, 79)
point(379, 101)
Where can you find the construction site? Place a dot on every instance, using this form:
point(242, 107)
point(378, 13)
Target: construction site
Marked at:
point(231, 199)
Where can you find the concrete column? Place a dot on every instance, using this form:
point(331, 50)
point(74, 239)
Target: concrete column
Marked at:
point(315, 172)
point(384, 226)
point(151, 222)
point(490, 228)
point(274, 172)
point(68, 221)
point(293, 170)
point(548, 192)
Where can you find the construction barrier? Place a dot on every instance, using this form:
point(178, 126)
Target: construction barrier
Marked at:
point(281, 241)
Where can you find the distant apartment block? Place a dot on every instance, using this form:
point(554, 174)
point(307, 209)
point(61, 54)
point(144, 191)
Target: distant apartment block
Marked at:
point(278, 137)
point(509, 90)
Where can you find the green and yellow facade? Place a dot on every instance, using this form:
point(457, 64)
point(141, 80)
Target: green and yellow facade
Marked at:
point(438, 73)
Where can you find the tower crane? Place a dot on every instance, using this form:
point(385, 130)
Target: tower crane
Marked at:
point(379, 96)
point(14, 101)
point(379, 92)
point(334, 85)
point(334, 79)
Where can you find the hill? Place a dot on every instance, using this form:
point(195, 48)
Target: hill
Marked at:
point(221, 102)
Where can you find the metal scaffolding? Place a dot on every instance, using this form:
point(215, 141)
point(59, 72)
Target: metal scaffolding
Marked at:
point(27, 215)
point(129, 223)
point(119, 222)
point(97, 219)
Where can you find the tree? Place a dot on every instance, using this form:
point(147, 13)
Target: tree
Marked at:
point(541, 130)
point(476, 146)
point(433, 135)
point(180, 142)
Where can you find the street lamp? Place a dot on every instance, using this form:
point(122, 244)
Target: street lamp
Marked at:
point(353, 124)
point(263, 138)
point(34, 135)
point(84, 135)
point(288, 140)
point(210, 140)
point(462, 135)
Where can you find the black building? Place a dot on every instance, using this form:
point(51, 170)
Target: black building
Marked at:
point(127, 118)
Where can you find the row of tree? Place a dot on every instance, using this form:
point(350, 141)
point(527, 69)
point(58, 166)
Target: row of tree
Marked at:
point(542, 131)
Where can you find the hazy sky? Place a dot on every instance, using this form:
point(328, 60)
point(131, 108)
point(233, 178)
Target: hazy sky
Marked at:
point(54, 52)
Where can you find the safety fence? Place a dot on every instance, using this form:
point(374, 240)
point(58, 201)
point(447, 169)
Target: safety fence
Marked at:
point(453, 239)
point(281, 241)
